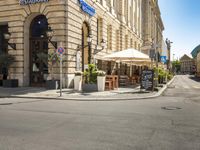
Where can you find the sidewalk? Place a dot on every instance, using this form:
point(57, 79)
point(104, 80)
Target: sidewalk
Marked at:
point(70, 94)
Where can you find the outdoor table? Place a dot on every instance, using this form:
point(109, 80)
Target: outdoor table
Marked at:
point(112, 79)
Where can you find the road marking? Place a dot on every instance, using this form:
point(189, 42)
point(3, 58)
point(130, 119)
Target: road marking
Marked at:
point(186, 87)
point(196, 87)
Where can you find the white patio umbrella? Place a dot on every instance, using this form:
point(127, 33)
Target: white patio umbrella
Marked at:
point(129, 55)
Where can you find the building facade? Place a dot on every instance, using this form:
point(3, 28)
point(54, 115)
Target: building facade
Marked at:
point(152, 27)
point(118, 22)
point(187, 64)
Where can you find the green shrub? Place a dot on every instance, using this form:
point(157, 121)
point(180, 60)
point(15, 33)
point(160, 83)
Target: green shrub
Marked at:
point(90, 74)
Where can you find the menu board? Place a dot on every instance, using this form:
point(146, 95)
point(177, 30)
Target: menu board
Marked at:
point(147, 77)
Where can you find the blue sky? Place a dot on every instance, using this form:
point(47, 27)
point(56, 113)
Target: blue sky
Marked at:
point(181, 19)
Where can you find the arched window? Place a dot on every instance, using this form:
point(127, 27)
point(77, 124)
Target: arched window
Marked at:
point(39, 26)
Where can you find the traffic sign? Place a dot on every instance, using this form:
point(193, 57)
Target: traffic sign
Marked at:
point(163, 59)
point(60, 50)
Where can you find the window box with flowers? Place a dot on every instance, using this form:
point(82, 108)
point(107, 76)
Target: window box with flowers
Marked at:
point(101, 77)
point(78, 80)
point(90, 79)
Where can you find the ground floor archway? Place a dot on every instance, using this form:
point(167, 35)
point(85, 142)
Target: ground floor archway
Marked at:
point(38, 55)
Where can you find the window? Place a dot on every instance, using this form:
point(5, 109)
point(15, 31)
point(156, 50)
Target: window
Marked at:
point(126, 41)
point(99, 30)
point(39, 26)
point(109, 37)
point(131, 42)
point(135, 45)
point(117, 40)
point(3, 43)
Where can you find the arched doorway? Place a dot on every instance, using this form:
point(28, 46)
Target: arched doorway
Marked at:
point(86, 48)
point(38, 51)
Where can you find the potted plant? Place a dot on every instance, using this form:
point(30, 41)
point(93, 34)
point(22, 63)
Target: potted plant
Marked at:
point(78, 80)
point(101, 78)
point(5, 61)
point(50, 60)
point(90, 79)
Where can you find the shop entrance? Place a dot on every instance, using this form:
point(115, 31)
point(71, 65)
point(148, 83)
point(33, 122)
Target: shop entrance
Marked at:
point(38, 51)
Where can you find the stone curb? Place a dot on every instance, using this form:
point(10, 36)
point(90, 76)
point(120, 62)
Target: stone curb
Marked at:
point(97, 99)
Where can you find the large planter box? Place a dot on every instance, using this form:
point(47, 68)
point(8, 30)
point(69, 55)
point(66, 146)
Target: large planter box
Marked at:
point(89, 87)
point(52, 84)
point(78, 83)
point(101, 83)
point(10, 83)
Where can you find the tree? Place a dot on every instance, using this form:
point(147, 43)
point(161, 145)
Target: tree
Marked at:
point(176, 66)
point(5, 61)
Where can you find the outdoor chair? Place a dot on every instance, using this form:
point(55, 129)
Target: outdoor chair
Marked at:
point(123, 80)
point(108, 85)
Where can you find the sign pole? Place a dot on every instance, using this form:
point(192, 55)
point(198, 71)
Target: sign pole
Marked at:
point(60, 75)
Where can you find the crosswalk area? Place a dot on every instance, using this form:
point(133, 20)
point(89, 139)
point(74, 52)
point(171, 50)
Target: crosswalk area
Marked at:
point(186, 82)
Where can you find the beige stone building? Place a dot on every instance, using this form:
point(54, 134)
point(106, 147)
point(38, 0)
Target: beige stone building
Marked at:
point(152, 26)
point(120, 23)
point(187, 64)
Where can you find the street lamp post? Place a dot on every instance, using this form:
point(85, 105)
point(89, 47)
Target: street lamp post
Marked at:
point(168, 43)
point(96, 50)
point(156, 55)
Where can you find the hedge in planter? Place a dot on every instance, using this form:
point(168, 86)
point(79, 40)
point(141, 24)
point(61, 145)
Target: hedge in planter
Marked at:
point(90, 79)
point(5, 61)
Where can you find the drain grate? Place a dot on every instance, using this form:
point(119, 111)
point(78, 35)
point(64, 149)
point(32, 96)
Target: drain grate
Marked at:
point(6, 103)
point(171, 108)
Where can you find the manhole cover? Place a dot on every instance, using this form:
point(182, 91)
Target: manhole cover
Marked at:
point(6, 103)
point(170, 108)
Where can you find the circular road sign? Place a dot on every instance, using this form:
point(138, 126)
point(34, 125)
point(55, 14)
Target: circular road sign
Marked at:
point(60, 50)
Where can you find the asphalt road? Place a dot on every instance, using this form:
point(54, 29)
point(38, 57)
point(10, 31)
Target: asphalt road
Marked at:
point(169, 122)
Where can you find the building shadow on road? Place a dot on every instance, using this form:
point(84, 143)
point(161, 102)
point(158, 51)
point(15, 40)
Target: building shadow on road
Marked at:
point(197, 79)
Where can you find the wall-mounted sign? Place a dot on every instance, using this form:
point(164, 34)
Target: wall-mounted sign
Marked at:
point(87, 8)
point(26, 2)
